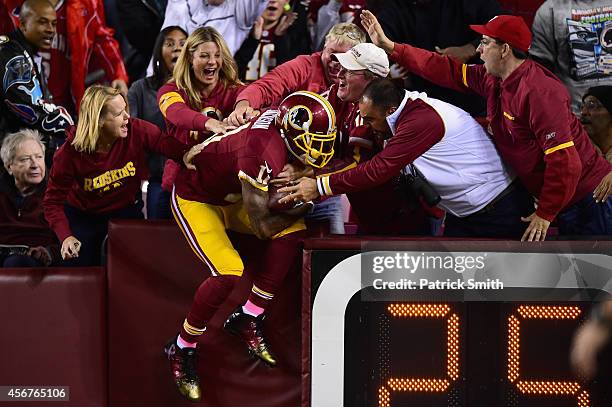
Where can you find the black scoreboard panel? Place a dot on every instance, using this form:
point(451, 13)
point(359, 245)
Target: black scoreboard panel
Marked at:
point(436, 354)
point(418, 351)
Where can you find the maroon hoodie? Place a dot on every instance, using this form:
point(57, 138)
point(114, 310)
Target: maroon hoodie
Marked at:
point(100, 183)
point(21, 218)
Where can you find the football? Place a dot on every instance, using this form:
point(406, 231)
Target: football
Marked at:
point(274, 196)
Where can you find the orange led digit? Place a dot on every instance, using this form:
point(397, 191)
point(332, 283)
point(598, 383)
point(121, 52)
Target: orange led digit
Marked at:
point(542, 387)
point(434, 385)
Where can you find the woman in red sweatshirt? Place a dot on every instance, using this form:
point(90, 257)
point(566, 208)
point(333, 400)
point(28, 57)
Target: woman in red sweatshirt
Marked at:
point(200, 94)
point(96, 174)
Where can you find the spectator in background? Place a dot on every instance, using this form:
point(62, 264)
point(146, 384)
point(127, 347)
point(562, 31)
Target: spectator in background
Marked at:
point(232, 18)
point(97, 173)
point(278, 35)
point(314, 73)
point(531, 124)
point(202, 91)
point(324, 14)
point(140, 21)
point(569, 39)
point(596, 117)
point(411, 22)
point(83, 41)
point(24, 94)
point(590, 338)
point(21, 192)
point(142, 98)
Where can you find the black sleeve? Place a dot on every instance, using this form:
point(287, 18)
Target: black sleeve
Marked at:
point(140, 23)
point(245, 54)
point(22, 94)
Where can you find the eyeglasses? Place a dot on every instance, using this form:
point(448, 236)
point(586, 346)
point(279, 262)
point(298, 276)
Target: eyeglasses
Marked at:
point(591, 105)
point(347, 73)
point(484, 42)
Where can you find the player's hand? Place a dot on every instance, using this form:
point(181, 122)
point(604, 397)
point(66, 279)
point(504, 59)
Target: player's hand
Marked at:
point(285, 22)
point(215, 126)
point(188, 156)
point(375, 31)
point(302, 191)
point(242, 114)
point(41, 254)
point(70, 248)
point(588, 341)
point(258, 28)
point(537, 229)
point(604, 189)
point(463, 53)
point(292, 172)
point(120, 85)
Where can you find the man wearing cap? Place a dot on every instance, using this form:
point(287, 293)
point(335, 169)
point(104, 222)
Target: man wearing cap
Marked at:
point(530, 122)
point(596, 117)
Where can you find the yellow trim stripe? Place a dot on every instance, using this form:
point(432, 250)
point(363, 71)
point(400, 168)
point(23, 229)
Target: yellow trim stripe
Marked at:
point(191, 330)
point(178, 218)
point(464, 74)
point(326, 186)
point(559, 147)
point(250, 180)
point(168, 99)
point(264, 294)
point(508, 116)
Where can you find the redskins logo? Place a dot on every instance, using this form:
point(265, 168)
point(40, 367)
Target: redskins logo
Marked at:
point(212, 112)
point(299, 117)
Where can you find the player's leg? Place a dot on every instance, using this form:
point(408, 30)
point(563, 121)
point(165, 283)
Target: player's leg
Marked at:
point(277, 259)
point(204, 228)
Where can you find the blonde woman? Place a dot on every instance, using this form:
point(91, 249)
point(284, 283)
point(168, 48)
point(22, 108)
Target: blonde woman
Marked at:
point(200, 94)
point(96, 174)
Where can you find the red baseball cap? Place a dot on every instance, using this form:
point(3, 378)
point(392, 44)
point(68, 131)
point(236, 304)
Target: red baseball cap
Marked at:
point(510, 29)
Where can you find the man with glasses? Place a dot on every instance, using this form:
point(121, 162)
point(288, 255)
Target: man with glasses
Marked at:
point(530, 122)
point(596, 117)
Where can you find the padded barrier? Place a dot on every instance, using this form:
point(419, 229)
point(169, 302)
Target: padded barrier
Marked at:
point(152, 277)
point(54, 332)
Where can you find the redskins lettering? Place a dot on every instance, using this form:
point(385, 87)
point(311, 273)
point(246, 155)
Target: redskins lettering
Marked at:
point(109, 177)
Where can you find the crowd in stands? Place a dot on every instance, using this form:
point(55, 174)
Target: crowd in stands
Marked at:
point(263, 50)
point(433, 117)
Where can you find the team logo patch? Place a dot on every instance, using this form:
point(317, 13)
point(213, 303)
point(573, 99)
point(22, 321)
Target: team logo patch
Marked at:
point(17, 70)
point(25, 112)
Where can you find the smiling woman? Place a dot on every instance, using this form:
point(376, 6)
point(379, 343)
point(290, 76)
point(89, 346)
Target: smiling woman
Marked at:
point(96, 174)
point(201, 93)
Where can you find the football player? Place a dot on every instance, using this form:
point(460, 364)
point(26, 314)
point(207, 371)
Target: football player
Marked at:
point(229, 190)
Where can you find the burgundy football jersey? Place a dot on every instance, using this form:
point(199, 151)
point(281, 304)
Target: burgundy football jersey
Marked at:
point(254, 152)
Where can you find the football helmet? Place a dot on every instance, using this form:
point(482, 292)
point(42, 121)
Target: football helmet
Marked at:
point(308, 126)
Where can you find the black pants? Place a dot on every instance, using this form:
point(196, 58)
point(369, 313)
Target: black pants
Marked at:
point(91, 229)
point(500, 219)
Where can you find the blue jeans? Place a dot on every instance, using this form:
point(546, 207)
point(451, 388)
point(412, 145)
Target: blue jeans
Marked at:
point(586, 217)
point(329, 210)
point(91, 230)
point(19, 260)
point(158, 202)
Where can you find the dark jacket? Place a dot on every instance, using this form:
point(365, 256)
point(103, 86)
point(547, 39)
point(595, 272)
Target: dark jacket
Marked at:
point(23, 93)
point(22, 221)
point(411, 22)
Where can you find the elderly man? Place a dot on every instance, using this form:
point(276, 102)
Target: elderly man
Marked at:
point(26, 239)
point(314, 73)
point(596, 117)
point(24, 94)
point(530, 122)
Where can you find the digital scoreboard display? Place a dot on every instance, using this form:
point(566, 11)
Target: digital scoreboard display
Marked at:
point(496, 335)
